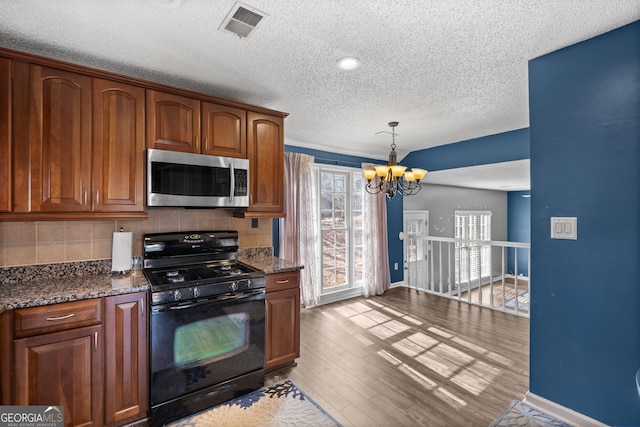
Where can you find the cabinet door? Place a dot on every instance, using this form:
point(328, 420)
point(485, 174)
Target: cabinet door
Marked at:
point(62, 368)
point(282, 343)
point(173, 122)
point(118, 147)
point(60, 128)
point(224, 131)
point(265, 149)
point(5, 135)
point(126, 376)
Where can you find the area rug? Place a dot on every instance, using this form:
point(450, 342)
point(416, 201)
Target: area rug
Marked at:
point(283, 404)
point(520, 414)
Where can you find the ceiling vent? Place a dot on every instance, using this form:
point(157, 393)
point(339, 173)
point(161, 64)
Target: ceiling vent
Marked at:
point(242, 19)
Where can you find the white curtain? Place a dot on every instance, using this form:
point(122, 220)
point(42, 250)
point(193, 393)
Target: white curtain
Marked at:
point(298, 230)
point(376, 261)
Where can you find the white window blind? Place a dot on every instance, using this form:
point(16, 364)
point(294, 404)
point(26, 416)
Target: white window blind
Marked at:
point(473, 260)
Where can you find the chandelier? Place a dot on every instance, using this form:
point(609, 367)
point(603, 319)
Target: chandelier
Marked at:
point(392, 177)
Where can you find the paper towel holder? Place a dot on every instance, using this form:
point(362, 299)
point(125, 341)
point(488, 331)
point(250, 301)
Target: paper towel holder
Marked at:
point(121, 256)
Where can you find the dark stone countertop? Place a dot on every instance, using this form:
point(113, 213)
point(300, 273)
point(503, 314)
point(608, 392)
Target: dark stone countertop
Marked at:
point(36, 292)
point(32, 286)
point(270, 264)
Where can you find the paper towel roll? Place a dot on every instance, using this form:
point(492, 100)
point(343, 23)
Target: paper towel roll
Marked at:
point(121, 252)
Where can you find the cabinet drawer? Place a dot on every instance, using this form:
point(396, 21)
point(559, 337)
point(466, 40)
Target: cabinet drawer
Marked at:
point(281, 281)
point(57, 317)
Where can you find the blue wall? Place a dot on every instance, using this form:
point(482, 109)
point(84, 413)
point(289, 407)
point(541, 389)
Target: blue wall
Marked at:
point(585, 162)
point(498, 148)
point(394, 207)
point(518, 229)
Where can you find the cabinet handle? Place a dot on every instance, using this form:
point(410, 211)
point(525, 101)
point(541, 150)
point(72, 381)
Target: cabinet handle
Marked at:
point(97, 197)
point(141, 307)
point(281, 282)
point(95, 341)
point(52, 319)
point(86, 196)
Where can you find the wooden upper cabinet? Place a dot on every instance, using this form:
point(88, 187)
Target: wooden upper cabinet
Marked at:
point(265, 149)
point(173, 122)
point(118, 146)
point(224, 130)
point(5, 135)
point(60, 132)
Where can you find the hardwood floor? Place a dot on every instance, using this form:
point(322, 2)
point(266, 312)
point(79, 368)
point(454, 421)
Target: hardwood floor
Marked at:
point(407, 358)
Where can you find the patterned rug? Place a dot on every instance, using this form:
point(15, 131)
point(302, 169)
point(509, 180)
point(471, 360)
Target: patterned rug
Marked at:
point(282, 404)
point(520, 414)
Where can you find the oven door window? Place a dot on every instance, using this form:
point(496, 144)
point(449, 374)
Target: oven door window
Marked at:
point(209, 340)
point(203, 344)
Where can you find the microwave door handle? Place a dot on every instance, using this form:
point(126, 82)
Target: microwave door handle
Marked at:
point(233, 182)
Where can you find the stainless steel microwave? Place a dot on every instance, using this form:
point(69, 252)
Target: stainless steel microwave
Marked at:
point(196, 180)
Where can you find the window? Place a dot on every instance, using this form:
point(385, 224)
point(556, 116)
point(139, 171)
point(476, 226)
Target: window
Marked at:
point(341, 192)
point(473, 260)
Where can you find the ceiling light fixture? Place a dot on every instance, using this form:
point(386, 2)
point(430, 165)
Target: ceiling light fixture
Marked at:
point(392, 178)
point(167, 4)
point(348, 63)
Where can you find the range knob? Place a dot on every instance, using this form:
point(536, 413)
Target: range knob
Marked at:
point(196, 292)
point(234, 286)
point(177, 294)
point(249, 284)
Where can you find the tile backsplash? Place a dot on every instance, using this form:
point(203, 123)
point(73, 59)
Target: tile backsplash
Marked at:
point(46, 242)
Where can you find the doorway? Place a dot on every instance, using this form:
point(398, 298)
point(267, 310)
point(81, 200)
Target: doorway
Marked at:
point(415, 228)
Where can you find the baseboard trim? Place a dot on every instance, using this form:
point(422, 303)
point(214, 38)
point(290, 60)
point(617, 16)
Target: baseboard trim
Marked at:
point(562, 413)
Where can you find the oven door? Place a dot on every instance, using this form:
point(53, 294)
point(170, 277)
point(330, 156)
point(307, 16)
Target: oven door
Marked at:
point(199, 344)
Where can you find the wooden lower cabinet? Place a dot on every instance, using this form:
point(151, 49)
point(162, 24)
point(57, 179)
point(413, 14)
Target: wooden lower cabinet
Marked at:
point(126, 375)
point(282, 338)
point(98, 373)
point(62, 369)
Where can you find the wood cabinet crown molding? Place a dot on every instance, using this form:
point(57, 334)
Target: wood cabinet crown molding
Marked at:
point(147, 84)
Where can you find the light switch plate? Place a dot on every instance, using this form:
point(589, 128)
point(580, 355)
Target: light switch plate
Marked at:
point(564, 227)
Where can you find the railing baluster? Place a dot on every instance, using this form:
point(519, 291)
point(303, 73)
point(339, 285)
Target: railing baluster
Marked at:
point(459, 253)
point(440, 266)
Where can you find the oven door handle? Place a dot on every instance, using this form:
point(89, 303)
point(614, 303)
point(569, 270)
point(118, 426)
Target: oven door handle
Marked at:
point(253, 294)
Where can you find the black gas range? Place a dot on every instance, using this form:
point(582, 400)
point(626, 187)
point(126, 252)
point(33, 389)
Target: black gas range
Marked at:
point(182, 266)
point(207, 322)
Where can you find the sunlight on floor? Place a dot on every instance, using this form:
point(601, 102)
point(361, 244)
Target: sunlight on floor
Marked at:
point(448, 358)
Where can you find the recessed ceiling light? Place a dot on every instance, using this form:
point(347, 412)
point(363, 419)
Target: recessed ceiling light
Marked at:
point(167, 4)
point(348, 63)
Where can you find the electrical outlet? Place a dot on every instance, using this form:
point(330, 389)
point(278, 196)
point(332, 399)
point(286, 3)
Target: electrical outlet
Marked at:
point(395, 266)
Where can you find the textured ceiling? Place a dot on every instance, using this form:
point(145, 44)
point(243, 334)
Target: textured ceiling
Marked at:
point(447, 70)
